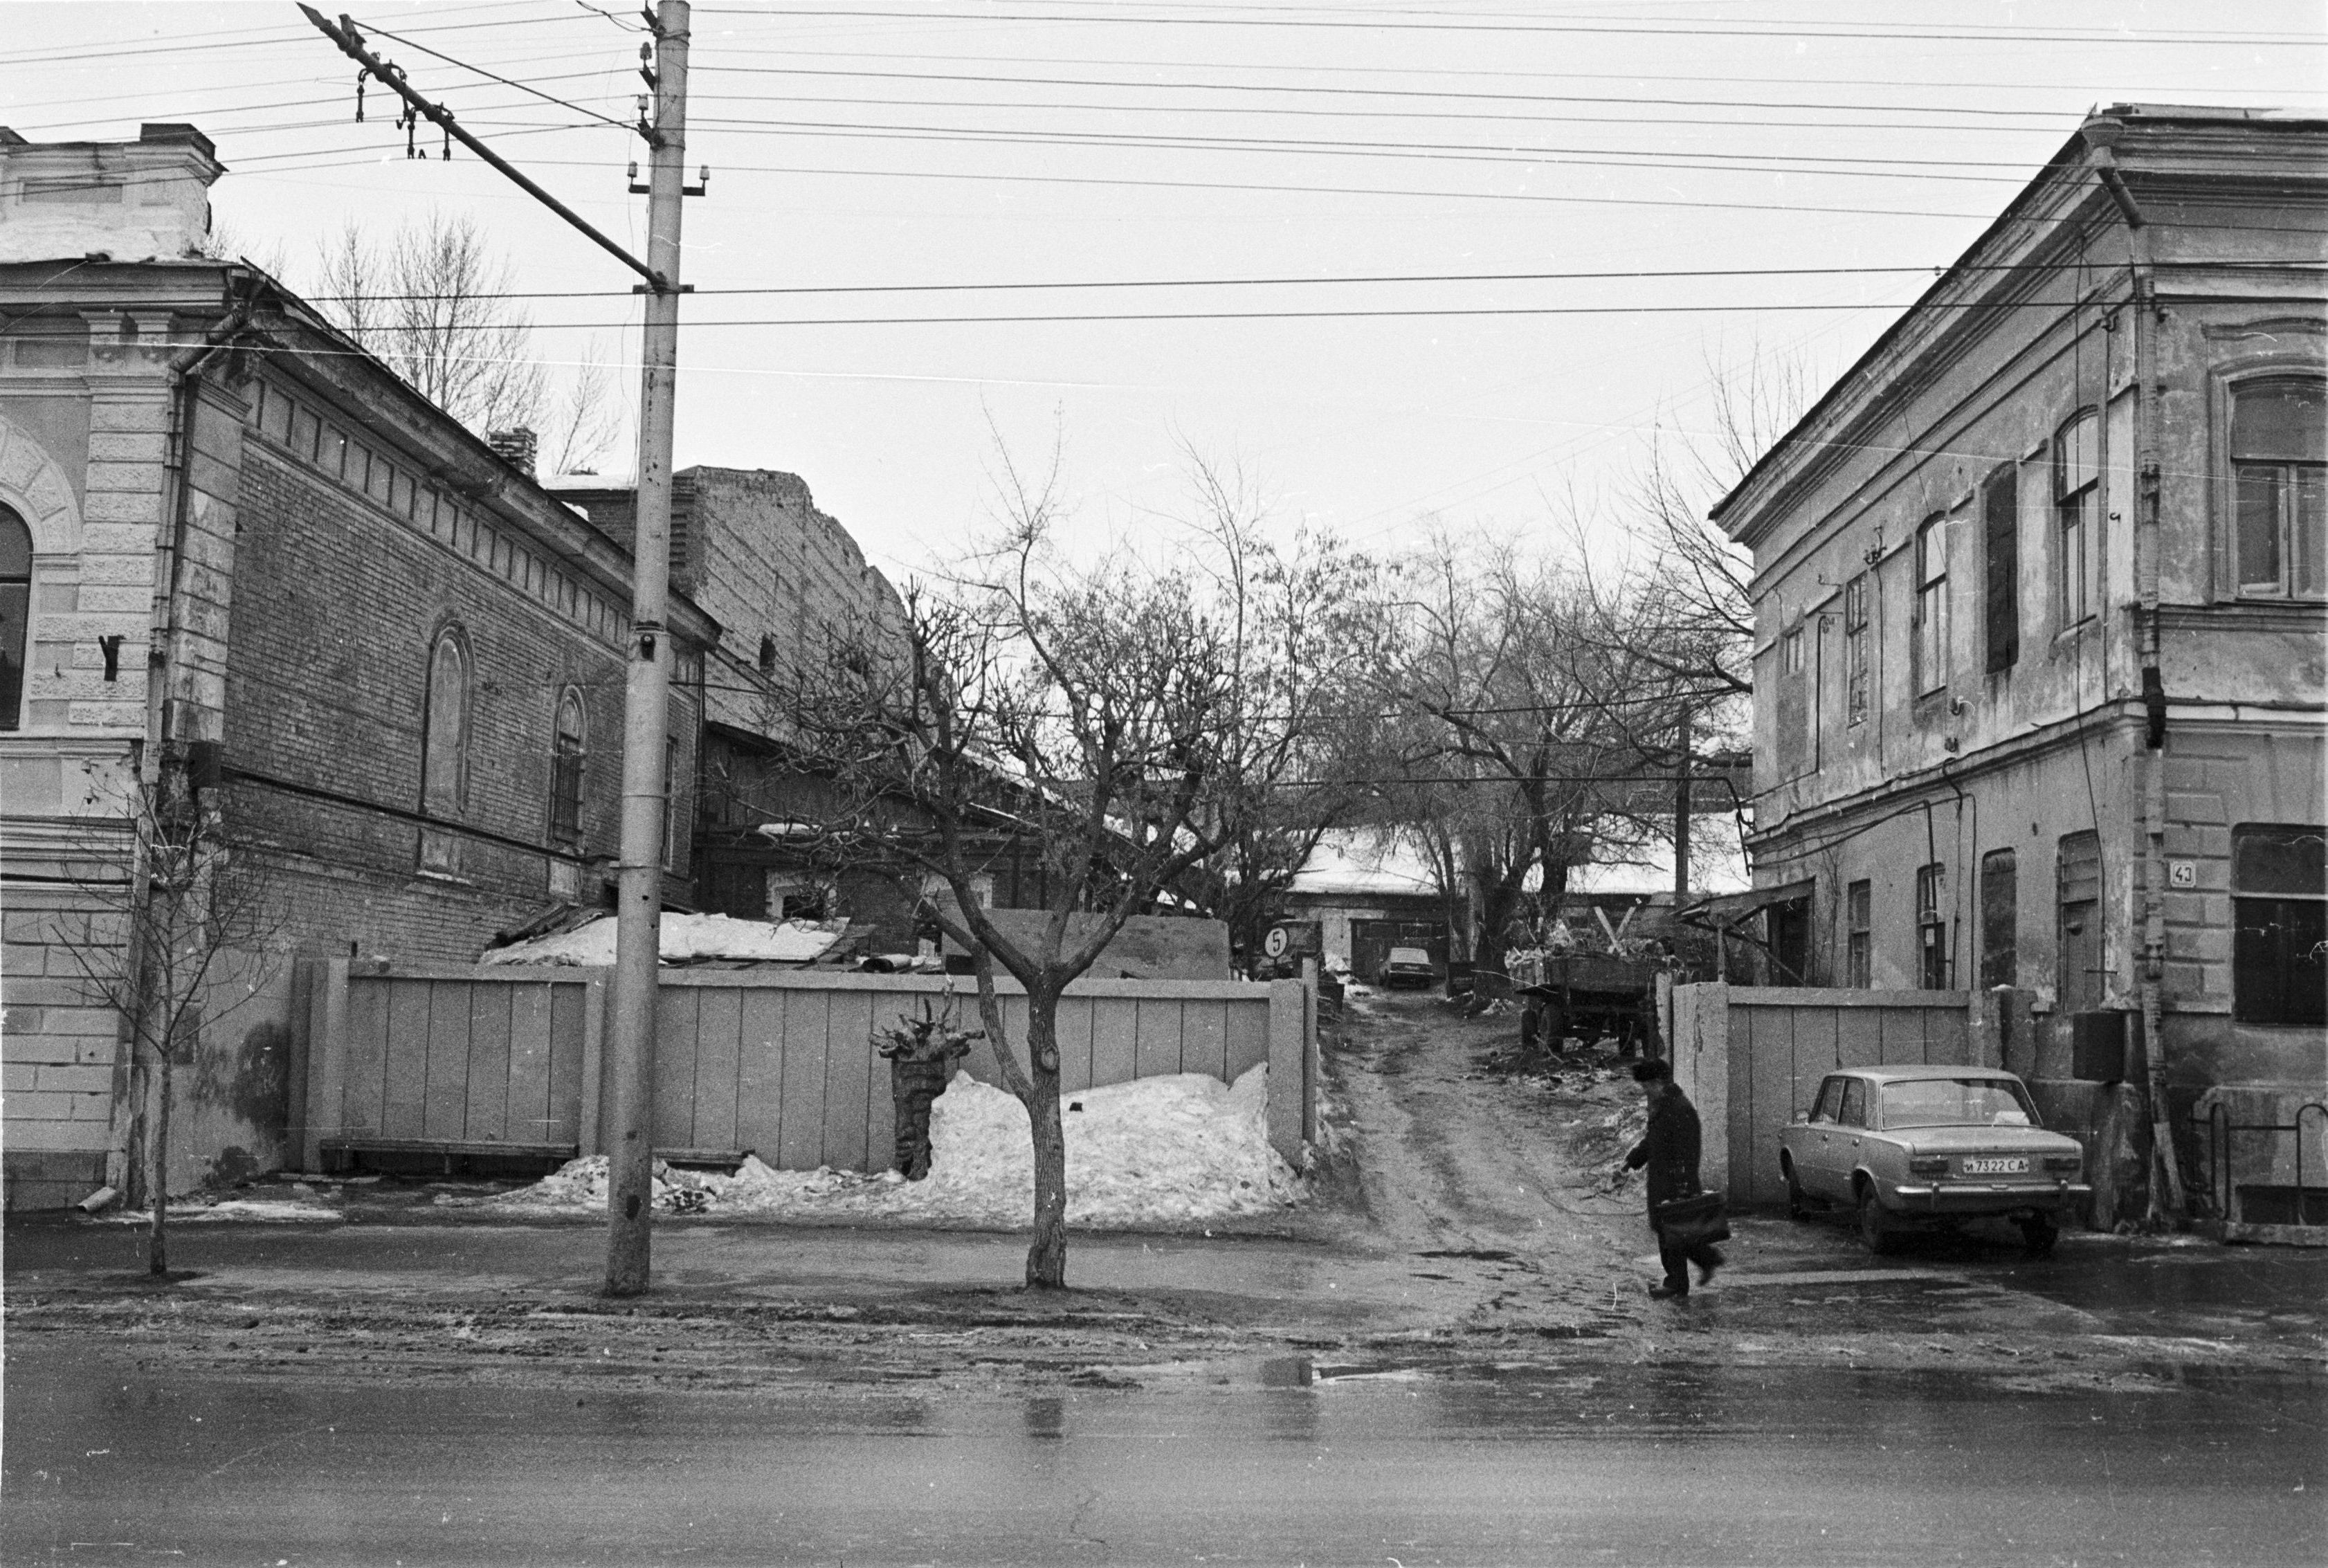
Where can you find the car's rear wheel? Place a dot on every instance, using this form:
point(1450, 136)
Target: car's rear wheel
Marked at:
point(1874, 1234)
point(2038, 1234)
point(1798, 1206)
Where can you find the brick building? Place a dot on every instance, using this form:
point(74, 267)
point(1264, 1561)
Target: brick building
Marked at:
point(787, 584)
point(2041, 663)
point(232, 541)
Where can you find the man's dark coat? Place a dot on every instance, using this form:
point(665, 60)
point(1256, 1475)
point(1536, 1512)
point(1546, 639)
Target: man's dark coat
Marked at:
point(1669, 1149)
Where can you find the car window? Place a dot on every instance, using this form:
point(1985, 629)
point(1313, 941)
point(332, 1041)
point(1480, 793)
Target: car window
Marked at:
point(1830, 1098)
point(1409, 956)
point(1854, 1102)
point(1956, 1103)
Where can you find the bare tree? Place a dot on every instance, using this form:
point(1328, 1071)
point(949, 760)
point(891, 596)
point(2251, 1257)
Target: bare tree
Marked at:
point(1301, 628)
point(168, 905)
point(1522, 738)
point(1090, 710)
point(587, 421)
point(432, 302)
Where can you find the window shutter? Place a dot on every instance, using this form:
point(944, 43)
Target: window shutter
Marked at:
point(2000, 529)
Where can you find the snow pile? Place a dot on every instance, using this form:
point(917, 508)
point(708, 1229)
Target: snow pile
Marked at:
point(1156, 1150)
point(269, 1210)
point(686, 939)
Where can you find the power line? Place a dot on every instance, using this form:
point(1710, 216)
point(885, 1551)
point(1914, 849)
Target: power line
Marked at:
point(1115, 17)
point(1298, 281)
point(505, 82)
point(1424, 152)
point(1282, 87)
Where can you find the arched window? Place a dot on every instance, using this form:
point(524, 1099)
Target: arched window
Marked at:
point(2279, 472)
point(444, 747)
point(767, 655)
point(1930, 621)
point(16, 612)
point(566, 751)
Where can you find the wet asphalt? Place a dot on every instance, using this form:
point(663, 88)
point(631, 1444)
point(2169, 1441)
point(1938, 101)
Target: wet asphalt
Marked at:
point(1290, 1459)
point(1450, 1361)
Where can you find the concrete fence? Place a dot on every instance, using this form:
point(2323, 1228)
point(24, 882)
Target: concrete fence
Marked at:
point(1750, 1058)
point(508, 1060)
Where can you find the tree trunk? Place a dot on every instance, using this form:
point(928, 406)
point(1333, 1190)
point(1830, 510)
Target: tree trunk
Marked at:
point(157, 1162)
point(1046, 1256)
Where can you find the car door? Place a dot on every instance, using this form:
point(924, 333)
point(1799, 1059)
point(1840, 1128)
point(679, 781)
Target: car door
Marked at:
point(1844, 1138)
point(1817, 1140)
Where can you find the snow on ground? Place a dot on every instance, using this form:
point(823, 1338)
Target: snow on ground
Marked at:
point(272, 1211)
point(685, 939)
point(1165, 1150)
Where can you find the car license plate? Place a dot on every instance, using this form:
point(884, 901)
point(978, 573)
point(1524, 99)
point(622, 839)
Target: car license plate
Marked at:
point(1996, 1165)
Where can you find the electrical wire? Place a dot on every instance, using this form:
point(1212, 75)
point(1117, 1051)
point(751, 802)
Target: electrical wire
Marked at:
point(2320, 268)
point(1115, 17)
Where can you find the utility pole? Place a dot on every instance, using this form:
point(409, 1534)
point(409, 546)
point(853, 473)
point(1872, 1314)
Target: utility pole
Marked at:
point(628, 1123)
point(629, 1106)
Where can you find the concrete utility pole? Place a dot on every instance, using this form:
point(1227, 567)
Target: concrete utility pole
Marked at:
point(629, 1132)
point(628, 1121)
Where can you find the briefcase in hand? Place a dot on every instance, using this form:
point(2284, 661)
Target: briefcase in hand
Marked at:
point(1689, 1222)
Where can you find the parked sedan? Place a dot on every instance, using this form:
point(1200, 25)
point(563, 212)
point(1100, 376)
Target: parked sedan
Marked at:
point(1408, 966)
point(1929, 1148)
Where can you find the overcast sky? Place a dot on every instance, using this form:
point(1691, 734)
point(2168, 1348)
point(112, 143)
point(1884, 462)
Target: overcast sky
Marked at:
point(1403, 149)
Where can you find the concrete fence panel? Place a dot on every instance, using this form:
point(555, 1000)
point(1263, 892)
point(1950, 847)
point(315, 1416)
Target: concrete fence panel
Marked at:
point(508, 1060)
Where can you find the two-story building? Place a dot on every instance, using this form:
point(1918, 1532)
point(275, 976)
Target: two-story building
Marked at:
point(233, 543)
point(2040, 593)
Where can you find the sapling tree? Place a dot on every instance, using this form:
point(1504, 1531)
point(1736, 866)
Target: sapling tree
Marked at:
point(168, 906)
point(1087, 711)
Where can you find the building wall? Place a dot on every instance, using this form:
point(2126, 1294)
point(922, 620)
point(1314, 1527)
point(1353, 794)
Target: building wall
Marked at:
point(84, 412)
point(330, 527)
point(2053, 743)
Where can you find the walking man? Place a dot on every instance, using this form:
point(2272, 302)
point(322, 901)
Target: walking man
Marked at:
point(1669, 1149)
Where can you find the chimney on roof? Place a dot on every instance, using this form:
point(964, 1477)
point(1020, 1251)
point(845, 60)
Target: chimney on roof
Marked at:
point(516, 447)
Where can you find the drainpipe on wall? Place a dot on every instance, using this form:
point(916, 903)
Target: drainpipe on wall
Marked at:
point(186, 370)
point(2166, 1197)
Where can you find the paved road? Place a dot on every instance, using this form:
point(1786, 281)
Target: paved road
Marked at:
point(1281, 1461)
point(1447, 1359)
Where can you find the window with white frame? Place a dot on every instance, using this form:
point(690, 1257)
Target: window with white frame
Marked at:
point(2077, 515)
point(2279, 487)
point(1930, 622)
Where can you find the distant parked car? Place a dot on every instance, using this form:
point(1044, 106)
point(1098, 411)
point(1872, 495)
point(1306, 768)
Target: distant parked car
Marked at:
point(1929, 1148)
point(1408, 966)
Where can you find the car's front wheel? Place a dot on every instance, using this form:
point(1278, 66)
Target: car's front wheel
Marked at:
point(1874, 1234)
point(2038, 1234)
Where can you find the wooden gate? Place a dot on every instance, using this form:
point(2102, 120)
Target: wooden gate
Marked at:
point(1750, 1058)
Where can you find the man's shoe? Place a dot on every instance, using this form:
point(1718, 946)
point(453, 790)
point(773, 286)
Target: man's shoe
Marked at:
point(1667, 1292)
point(1706, 1273)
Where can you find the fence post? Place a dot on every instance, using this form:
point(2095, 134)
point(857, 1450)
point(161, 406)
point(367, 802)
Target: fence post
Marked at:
point(1289, 1054)
point(327, 1060)
point(593, 1062)
point(1708, 1045)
